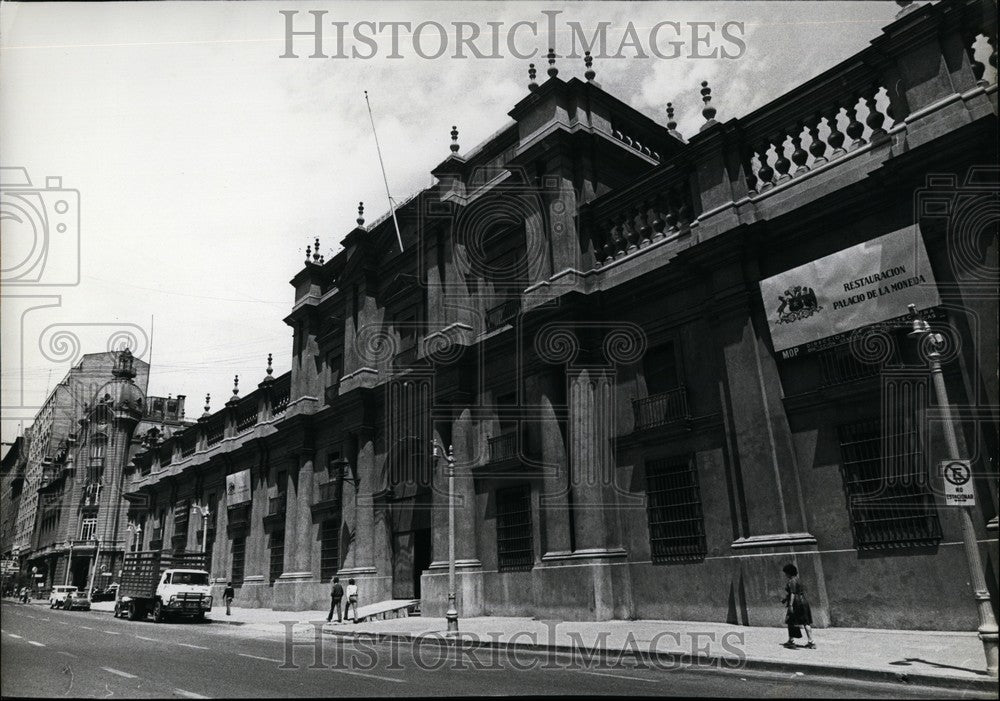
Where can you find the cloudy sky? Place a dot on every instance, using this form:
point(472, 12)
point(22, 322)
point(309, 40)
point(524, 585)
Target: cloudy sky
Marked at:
point(205, 163)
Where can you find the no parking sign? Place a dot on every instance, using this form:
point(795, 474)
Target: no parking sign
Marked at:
point(958, 489)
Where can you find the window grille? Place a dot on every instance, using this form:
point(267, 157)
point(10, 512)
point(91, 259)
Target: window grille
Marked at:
point(239, 559)
point(515, 540)
point(329, 554)
point(277, 547)
point(673, 509)
point(88, 528)
point(841, 365)
point(888, 496)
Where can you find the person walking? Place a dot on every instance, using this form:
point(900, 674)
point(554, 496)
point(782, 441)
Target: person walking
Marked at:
point(336, 595)
point(228, 595)
point(352, 600)
point(797, 611)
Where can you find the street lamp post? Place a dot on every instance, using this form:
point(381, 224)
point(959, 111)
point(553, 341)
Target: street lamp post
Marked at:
point(987, 623)
point(93, 570)
point(452, 614)
point(136, 532)
point(205, 513)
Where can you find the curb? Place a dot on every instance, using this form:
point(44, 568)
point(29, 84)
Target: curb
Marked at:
point(983, 685)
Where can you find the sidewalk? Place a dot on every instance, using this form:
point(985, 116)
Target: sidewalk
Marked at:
point(942, 659)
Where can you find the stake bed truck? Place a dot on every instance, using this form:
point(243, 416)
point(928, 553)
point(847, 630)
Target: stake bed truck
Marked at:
point(164, 585)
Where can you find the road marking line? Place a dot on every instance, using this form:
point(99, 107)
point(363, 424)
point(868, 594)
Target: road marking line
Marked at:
point(370, 676)
point(152, 640)
point(190, 694)
point(196, 647)
point(68, 654)
point(15, 636)
point(32, 642)
point(63, 623)
point(257, 657)
point(86, 627)
point(119, 673)
point(111, 632)
point(623, 676)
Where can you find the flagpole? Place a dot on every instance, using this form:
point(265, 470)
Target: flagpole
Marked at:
point(378, 149)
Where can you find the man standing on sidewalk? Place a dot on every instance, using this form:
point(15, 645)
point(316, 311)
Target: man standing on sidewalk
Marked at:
point(352, 599)
point(228, 595)
point(336, 595)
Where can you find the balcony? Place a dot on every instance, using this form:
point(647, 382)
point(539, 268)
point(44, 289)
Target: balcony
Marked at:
point(661, 409)
point(215, 429)
point(502, 314)
point(841, 365)
point(246, 414)
point(282, 394)
point(239, 517)
point(406, 357)
point(329, 497)
point(276, 510)
point(503, 447)
point(844, 114)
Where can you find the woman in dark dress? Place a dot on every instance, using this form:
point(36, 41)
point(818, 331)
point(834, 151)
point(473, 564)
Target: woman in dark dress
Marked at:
point(797, 612)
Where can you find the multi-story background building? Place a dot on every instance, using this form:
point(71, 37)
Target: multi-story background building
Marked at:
point(54, 423)
point(666, 364)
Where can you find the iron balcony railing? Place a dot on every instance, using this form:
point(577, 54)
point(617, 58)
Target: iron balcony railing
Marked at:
point(661, 409)
point(276, 505)
point(841, 365)
point(503, 447)
point(405, 357)
point(502, 314)
point(328, 492)
point(239, 516)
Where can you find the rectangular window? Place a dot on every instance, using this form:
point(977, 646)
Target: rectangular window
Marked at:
point(239, 559)
point(660, 369)
point(515, 540)
point(673, 510)
point(329, 554)
point(277, 548)
point(88, 527)
point(888, 497)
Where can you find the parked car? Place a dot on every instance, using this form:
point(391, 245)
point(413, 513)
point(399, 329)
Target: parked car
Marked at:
point(109, 594)
point(78, 600)
point(60, 595)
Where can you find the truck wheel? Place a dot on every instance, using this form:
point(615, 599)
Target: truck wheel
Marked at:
point(133, 611)
point(158, 614)
point(200, 618)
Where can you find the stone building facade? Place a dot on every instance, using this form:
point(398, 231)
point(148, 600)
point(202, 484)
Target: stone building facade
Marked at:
point(578, 311)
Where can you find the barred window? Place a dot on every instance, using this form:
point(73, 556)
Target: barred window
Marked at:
point(88, 528)
point(277, 547)
point(888, 495)
point(673, 509)
point(239, 558)
point(329, 553)
point(515, 541)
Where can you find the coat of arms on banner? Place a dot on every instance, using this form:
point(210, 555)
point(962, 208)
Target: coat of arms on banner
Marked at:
point(797, 303)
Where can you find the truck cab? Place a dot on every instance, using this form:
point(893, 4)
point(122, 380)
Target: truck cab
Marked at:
point(182, 592)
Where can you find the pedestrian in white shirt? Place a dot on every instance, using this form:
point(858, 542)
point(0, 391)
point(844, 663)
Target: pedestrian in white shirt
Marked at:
point(352, 600)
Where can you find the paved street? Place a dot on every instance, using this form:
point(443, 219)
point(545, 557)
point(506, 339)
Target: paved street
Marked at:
point(92, 654)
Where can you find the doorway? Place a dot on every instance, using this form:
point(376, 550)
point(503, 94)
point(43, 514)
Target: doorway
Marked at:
point(80, 572)
point(411, 556)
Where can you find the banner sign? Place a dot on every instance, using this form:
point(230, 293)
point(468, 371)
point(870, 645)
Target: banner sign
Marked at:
point(865, 284)
point(238, 488)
